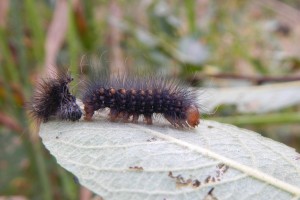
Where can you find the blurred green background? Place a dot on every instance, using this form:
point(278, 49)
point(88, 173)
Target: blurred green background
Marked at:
point(202, 42)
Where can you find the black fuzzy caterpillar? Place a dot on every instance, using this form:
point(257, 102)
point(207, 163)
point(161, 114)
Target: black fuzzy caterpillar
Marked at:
point(53, 98)
point(128, 98)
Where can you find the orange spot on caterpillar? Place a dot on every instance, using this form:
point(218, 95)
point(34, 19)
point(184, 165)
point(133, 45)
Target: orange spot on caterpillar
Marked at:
point(193, 116)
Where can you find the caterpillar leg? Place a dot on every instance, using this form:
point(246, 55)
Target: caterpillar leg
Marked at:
point(89, 112)
point(178, 123)
point(135, 118)
point(148, 119)
point(125, 117)
point(171, 120)
point(113, 114)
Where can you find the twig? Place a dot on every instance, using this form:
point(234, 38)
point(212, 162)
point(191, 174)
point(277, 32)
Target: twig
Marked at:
point(4, 6)
point(10, 123)
point(256, 79)
point(278, 118)
point(118, 66)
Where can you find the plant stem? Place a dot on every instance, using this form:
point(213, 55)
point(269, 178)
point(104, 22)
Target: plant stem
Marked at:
point(190, 7)
point(278, 118)
point(42, 170)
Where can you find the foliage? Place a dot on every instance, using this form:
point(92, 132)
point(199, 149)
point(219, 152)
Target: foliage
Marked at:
point(184, 39)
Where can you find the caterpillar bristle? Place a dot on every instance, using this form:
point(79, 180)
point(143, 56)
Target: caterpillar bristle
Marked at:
point(53, 98)
point(130, 97)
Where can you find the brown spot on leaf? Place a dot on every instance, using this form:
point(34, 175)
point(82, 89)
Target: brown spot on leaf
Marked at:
point(210, 195)
point(136, 168)
point(152, 139)
point(181, 182)
point(207, 180)
point(196, 183)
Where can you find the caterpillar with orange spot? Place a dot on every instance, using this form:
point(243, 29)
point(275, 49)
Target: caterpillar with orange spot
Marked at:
point(128, 98)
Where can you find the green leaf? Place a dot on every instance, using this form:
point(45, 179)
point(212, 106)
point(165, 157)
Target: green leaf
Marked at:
point(136, 161)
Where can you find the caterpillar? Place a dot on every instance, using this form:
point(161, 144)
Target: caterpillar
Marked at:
point(52, 97)
point(130, 97)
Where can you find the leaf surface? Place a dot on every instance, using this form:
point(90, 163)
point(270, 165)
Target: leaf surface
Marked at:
point(254, 99)
point(136, 161)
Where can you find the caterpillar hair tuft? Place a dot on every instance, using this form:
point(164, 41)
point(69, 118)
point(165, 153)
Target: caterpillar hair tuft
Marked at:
point(53, 98)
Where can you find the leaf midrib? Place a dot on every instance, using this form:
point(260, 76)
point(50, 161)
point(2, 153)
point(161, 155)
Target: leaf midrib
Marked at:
point(229, 162)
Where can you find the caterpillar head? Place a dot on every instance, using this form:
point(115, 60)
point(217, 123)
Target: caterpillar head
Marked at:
point(70, 111)
point(52, 97)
